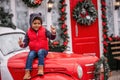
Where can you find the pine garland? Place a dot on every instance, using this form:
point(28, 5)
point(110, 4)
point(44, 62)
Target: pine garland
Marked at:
point(102, 62)
point(56, 45)
point(6, 19)
point(105, 27)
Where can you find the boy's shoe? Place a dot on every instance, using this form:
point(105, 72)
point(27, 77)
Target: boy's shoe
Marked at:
point(27, 75)
point(40, 70)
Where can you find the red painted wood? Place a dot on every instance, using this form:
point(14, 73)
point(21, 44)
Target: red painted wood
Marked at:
point(87, 40)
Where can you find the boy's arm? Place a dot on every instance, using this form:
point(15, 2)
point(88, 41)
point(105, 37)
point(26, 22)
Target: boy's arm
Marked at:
point(50, 35)
point(26, 41)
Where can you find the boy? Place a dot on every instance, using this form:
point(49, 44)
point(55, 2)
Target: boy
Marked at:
point(36, 39)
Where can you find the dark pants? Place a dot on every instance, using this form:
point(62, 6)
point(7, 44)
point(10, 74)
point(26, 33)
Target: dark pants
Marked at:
point(42, 53)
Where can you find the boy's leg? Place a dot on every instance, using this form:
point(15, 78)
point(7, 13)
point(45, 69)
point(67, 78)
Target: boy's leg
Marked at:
point(30, 58)
point(41, 54)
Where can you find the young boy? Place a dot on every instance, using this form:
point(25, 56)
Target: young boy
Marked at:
point(37, 40)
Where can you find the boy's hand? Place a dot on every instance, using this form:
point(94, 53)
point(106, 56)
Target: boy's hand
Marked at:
point(53, 30)
point(20, 42)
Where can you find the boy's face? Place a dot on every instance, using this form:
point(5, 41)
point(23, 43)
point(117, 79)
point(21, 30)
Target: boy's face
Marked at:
point(36, 24)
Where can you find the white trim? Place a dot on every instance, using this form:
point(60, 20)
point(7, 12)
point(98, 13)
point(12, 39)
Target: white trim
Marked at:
point(49, 17)
point(100, 27)
point(68, 22)
point(116, 27)
point(116, 19)
point(49, 20)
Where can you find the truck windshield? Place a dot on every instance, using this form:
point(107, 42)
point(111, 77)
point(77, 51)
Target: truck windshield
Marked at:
point(9, 42)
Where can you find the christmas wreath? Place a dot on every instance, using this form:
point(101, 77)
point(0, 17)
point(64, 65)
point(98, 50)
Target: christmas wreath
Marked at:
point(85, 13)
point(32, 3)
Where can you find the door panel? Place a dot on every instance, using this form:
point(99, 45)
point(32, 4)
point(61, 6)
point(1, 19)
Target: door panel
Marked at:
point(87, 38)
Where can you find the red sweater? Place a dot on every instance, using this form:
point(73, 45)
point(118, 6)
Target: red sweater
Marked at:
point(37, 40)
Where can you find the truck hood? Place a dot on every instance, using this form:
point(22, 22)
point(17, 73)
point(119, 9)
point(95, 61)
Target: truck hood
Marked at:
point(19, 60)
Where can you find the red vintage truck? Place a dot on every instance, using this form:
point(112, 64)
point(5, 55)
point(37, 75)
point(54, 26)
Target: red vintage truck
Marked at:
point(58, 65)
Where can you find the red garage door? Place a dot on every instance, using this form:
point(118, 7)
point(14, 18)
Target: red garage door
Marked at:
point(85, 39)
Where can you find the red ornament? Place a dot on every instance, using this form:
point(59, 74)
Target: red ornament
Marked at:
point(114, 37)
point(104, 23)
point(110, 39)
point(65, 32)
point(63, 2)
point(37, 1)
point(103, 16)
point(65, 43)
point(103, 3)
point(63, 26)
point(63, 9)
point(103, 9)
point(117, 37)
point(105, 43)
point(104, 30)
point(55, 43)
point(104, 36)
point(63, 18)
point(105, 51)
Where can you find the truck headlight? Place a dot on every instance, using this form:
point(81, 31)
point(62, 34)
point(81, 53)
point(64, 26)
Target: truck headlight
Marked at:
point(79, 71)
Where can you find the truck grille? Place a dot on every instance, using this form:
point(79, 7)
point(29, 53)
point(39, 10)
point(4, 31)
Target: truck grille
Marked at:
point(90, 71)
